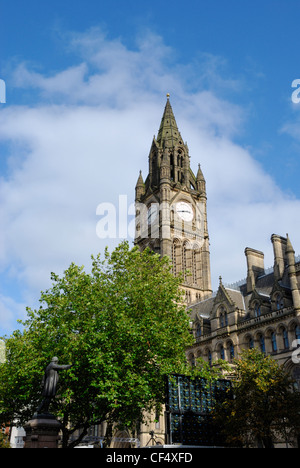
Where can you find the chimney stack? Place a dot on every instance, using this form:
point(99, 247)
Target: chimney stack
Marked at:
point(279, 247)
point(255, 267)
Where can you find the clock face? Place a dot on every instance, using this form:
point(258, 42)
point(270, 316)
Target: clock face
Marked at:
point(152, 213)
point(185, 211)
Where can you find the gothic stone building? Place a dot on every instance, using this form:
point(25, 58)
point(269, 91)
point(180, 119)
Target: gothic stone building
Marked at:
point(262, 311)
point(171, 216)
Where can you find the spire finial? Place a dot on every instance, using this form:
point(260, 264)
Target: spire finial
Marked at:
point(168, 95)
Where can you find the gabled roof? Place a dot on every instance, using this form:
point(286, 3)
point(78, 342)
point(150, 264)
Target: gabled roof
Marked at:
point(206, 307)
point(202, 308)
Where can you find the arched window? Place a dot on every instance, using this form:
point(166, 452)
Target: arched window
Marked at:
point(174, 262)
point(187, 262)
point(285, 339)
point(262, 345)
point(273, 341)
point(209, 357)
point(223, 319)
point(176, 257)
point(257, 309)
point(188, 297)
point(194, 261)
point(222, 352)
point(250, 342)
point(172, 166)
point(192, 360)
point(297, 332)
point(279, 301)
point(231, 351)
point(198, 331)
point(186, 254)
point(184, 260)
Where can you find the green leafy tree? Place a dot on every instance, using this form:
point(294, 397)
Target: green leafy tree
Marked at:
point(265, 407)
point(4, 443)
point(2, 351)
point(123, 329)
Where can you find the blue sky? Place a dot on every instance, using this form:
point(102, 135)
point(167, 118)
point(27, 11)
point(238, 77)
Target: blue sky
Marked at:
point(85, 91)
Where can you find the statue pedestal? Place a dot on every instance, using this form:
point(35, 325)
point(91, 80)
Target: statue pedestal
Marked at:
point(42, 432)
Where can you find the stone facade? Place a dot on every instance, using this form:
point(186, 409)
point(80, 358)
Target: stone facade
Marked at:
point(262, 311)
point(171, 216)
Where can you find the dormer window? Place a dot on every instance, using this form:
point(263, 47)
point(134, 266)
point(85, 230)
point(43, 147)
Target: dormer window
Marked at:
point(279, 302)
point(257, 309)
point(198, 331)
point(223, 319)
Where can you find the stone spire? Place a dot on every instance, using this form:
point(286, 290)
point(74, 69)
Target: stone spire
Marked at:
point(168, 134)
point(140, 187)
point(289, 247)
point(201, 185)
point(169, 183)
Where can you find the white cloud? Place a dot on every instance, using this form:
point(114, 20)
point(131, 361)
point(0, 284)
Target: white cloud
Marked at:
point(245, 206)
point(83, 142)
point(10, 312)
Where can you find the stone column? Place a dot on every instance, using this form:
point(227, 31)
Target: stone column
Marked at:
point(42, 432)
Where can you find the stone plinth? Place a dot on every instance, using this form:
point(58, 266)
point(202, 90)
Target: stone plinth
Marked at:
point(42, 432)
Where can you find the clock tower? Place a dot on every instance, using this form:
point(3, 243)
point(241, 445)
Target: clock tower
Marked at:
point(171, 217)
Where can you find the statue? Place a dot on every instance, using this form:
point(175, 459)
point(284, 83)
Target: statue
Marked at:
point(49, 384)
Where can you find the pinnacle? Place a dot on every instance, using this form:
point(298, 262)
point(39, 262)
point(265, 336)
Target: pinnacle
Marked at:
point(140, 181)
point(199, 176)
point(289, 247)
point(168, 134)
